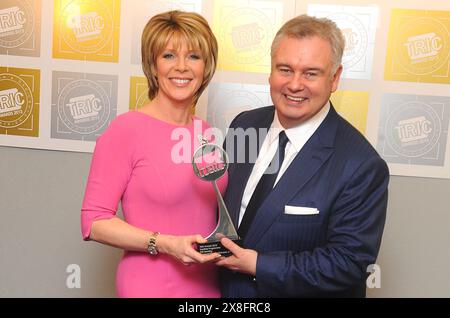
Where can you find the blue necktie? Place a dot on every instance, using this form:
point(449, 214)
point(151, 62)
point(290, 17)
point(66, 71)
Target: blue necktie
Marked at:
point(264, 186)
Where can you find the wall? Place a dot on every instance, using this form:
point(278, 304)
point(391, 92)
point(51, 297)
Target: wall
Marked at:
point(40, 228)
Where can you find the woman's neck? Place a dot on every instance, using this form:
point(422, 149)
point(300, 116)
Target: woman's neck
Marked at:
point(166, 111)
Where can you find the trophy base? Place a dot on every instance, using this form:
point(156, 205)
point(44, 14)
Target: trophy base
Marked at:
point(215, 247)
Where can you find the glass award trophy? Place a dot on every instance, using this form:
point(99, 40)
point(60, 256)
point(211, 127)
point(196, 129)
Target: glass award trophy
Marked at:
point(210, 162)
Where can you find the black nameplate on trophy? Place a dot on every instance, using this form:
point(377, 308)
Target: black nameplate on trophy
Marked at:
point(215, 247)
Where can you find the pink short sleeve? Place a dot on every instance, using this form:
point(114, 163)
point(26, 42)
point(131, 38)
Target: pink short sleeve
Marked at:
point(109, 174)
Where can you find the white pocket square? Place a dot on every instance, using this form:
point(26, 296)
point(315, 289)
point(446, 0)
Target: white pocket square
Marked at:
point(300, 210)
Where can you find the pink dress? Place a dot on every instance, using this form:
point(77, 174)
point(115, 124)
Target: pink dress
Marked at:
point(136, 161)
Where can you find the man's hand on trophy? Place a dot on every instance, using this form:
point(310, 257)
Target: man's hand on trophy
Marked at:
point(243, 260)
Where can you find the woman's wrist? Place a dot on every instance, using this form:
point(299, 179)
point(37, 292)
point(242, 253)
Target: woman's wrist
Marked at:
point(162, 243)
point(152, 247)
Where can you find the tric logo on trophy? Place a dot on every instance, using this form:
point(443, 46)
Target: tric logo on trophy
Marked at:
point(210, 162)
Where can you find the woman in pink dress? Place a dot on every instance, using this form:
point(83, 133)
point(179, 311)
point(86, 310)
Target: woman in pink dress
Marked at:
point(143, 160)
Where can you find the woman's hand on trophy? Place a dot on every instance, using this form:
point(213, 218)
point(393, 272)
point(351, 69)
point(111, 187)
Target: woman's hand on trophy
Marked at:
point(243, 260)
point(182, 248)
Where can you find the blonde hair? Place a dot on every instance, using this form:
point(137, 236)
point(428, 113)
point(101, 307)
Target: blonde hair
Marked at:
point(306, 26)
point(188, 27)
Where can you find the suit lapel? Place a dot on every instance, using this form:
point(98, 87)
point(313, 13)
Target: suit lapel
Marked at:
point(240, 172)
point(305, 165)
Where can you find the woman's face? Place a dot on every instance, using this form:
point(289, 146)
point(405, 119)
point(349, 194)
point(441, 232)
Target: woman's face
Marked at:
point(180, 74)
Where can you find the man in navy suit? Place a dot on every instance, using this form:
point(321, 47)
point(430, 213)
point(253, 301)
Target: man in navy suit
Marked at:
point(318, 227)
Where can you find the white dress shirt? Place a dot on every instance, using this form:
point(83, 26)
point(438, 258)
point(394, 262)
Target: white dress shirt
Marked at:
point(298, 136)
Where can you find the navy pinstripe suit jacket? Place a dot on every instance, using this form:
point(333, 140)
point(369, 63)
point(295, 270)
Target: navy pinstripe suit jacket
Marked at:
point(321, 255)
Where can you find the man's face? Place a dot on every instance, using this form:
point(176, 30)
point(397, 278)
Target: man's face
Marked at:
point(302, 78)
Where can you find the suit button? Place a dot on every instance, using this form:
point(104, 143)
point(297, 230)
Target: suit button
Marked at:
point(254, 279)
